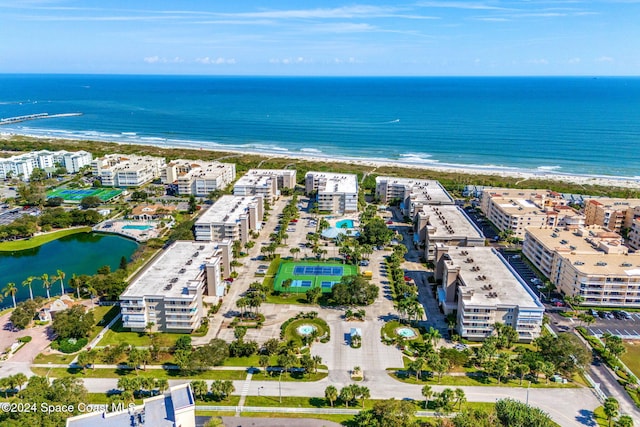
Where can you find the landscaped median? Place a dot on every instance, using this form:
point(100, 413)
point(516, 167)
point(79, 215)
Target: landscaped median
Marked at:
point(39, 240)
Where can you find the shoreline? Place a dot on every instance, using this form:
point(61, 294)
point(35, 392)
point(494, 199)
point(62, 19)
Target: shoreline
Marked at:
point(522, 175)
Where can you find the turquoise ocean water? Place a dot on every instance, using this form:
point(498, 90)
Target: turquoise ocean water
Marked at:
point(567, 125)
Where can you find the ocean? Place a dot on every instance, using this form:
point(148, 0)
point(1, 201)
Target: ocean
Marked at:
point(573, 125)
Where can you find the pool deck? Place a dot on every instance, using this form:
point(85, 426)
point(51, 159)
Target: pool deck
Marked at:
point(117, 227)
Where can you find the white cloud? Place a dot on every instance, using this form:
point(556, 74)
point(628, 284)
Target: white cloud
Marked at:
point(605, 59)
point(161, 60)
point(215, 61)
point(574, 60)
point(540, 61)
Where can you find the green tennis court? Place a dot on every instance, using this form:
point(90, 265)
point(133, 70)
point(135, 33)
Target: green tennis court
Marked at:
point(305, 275)
point(76, 194)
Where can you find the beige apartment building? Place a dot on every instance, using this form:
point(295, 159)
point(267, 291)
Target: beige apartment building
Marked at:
point(169, 293)
point(265, 182)
point(335, 192)
point(198, 177)
point(127, 170)
point(517, 209)
point(480, 286)
point(412, 194)
point(591, 261)
point(613, 214)
point(633, 239)
point(448, 225)
point(231, 217)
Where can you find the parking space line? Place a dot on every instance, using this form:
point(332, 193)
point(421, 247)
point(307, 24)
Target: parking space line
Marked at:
point(618, 332)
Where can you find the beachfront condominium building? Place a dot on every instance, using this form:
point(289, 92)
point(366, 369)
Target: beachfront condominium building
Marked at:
point(480, 286)
point(517, 209)
point(198, 177)
point(447, 225)
point(127, 170)
point(266, 182)
point(22, 166)
point(633, 238)
point(411, 194)
point(590, 261)
point(231, 217)
point(614, 214)
point(176, 407)
point(169, 293)
point(334, 192)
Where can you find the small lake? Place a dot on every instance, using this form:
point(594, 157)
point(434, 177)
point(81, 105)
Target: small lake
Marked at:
point(81, 253)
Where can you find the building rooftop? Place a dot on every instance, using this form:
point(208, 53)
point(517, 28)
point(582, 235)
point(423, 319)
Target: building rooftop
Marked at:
point(158, 411)
point(254, 181)
point(227, 209)
point(178, 266)
point(336, 182)
point(592, 239)
point(424, 191)
point(614, 203)
point(448, 221)
point(489, 280)
point(611, 265)
point(201, 168)
point(121, 162)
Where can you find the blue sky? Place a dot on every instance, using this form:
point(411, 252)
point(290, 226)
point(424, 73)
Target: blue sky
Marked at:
point(534, 37)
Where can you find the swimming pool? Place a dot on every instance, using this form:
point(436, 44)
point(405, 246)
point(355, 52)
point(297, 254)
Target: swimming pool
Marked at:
point(345, 223)
point(136, 227)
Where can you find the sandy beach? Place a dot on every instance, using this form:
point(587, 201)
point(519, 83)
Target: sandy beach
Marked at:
point(471, 170)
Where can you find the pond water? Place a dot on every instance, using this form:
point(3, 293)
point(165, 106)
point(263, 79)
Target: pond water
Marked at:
point(81, 253)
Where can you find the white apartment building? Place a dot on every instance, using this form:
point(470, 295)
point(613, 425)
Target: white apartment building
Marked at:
point(22, 166)
point(127, 170)
point(589, 261)
point(231, 217)
point(611, 213)
point(169, 292)
point(177, 407)
point(335, 192)
point(198, 177)
point(448, 225)
point(482, 288)
point(633, 239)
point(412, 194)
point(517, 209)
point(266, 182)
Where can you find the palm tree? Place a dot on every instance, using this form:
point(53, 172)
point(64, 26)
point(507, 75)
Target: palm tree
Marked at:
point(27, 282)
point(46, 283)
point(76, 282)
point(365, 394)
point(624, 421)
point(427, 392)
point(331, 394)
point(61, 276)
point(200, 389)
point(346, 395)
point(433, 335)
point(460, 397)
point(11, 289)
point(162, 384)
point(611, 409)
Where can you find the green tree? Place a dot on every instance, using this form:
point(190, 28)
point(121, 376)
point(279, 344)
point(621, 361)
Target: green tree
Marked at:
point(613, 344)
point(331, 394)
point(11, 289)
point(354, 290)
point(624, 421)
point(46, 283)
point(521, 370)
point(514, 413)
point(611, 409)
point(193, 206)
point(27, 282)
point(427, 392)
point(347, 395)
point(73, 323)
point(460, 397)
point(200, 389)
point(444, 400)
point(376, 233)
point(313, 295)
point(90, 202)
point(61, 276)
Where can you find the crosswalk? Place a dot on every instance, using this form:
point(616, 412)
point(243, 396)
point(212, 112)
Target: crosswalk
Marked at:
point(244, 393)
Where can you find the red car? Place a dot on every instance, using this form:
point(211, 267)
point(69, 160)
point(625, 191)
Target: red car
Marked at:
point(389, 222)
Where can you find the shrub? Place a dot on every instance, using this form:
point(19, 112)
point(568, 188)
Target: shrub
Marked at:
point(25, 339)
point(69, 345)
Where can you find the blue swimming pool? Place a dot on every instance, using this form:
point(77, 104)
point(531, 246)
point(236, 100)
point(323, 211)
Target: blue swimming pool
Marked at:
point(136, 227)
point(345, 223)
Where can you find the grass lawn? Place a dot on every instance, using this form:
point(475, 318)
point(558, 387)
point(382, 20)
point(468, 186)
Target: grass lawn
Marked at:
point(340, 419)
point(631, 357)
point(600, 418)
point(291, 332)
point(308, 274)
point(389, 331)
point(287, 299)
point(54, 358)
point(449, 380)
point(117, 334)
point(291, 376)
point(150, 373)
point(34, 242)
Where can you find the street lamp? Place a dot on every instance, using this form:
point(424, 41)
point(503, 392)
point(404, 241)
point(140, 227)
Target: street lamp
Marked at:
point(280, 385)
point(528, 392)
point(260, 388)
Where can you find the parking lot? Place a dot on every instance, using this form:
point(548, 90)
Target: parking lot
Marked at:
point(8, 215)
point(624, 328)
